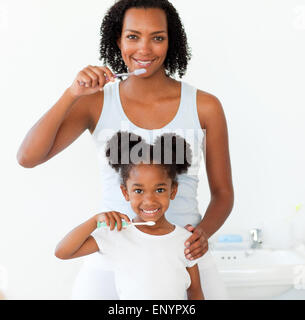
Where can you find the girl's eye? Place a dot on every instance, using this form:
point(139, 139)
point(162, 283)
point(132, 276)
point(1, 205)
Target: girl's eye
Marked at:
point(138, 191)
point(160, 190)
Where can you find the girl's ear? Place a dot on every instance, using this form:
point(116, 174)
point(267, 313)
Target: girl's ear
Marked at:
point(174, 191)
point(125, 192)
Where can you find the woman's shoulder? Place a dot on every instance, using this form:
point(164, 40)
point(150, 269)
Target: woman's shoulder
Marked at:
point(208, 106)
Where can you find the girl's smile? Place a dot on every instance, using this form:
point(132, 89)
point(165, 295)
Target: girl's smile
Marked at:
point(150, 212)
point(149, 215)
point(149, 190)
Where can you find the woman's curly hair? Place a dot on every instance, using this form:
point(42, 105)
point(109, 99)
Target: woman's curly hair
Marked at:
point(178, 53)
point(125, 150)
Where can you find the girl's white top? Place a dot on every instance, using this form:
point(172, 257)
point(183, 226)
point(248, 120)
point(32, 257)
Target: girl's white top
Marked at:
point(184, 208)
point(147, 267)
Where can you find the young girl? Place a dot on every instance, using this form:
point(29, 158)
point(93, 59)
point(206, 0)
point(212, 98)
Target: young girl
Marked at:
point(149, 261)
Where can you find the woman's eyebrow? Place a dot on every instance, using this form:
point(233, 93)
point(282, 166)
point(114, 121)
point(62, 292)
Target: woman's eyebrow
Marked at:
point(138, 32)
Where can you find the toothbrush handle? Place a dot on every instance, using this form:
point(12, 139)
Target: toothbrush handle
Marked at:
point(107, 78)
point(119, 75)
point(103, 224)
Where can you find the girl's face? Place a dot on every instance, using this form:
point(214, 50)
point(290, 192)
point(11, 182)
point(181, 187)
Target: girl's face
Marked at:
point(149, 190)
point(144, 40)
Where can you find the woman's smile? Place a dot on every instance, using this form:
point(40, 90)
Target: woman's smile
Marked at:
point(143, 62)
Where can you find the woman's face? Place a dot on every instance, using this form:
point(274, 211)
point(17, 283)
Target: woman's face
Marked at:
point(149, 190)
point(144, 40)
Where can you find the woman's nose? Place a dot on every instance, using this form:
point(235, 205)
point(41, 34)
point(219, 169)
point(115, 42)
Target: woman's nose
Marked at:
point(144, 47)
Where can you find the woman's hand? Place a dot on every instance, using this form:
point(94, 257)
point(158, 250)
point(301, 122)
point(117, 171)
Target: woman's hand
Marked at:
point(197, 244)
point(90, 80)
point(111, 218)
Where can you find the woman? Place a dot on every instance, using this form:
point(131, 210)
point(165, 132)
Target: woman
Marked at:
point(143, 34)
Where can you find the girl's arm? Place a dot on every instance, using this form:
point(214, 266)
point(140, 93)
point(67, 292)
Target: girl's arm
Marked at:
point(194, 292)
point(78, 242)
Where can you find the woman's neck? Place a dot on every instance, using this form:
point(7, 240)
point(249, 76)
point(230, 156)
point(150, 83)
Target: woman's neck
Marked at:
point(147, 88)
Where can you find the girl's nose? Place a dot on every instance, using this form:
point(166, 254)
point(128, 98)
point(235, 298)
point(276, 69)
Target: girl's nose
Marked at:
point(149, 198)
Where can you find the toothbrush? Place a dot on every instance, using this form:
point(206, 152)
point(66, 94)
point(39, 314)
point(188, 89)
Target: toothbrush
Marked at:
point(125, 224)
point(136, 72)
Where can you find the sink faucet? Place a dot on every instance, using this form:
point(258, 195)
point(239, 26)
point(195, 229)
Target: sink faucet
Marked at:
point(256, 238)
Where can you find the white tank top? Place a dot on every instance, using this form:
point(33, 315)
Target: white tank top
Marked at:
point(184, 208)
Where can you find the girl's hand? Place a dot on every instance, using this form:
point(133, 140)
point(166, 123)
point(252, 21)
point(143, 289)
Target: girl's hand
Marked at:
point(112, 217)
point(90, 80)
point(197, 244)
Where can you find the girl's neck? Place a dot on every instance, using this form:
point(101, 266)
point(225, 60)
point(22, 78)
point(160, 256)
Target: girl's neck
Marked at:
point(160, 228)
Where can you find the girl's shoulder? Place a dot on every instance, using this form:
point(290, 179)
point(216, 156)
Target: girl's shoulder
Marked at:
point(182, 231)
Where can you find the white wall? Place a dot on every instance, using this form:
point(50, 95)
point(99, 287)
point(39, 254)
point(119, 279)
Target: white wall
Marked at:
point(250, 54)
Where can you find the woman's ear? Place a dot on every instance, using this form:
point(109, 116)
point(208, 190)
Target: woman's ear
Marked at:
point(174, 190)
point(118, 42)
point(125, 192)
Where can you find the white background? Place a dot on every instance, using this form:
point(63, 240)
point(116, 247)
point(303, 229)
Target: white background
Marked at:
point(250, 54)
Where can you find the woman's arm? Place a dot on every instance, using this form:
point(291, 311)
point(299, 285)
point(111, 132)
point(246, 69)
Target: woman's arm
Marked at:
point(194, 292)
point(66, 120)
point(78, 242)
point(55, 130)
point(218, 166)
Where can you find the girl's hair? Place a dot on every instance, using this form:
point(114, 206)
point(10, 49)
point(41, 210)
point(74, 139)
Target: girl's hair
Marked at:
point(125, 150)
point(178, 53)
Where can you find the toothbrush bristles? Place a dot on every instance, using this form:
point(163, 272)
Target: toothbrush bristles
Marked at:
point(137, 72)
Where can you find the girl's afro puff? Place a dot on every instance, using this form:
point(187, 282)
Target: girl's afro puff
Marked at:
point(172, 149)
point(119, 147)
point(125, 150)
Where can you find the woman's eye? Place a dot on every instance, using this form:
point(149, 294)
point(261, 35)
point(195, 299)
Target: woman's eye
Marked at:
point(159, 39)
point(160, 190)
point(131, 36)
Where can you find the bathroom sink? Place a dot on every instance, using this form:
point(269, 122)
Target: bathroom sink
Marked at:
point(260, 273)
